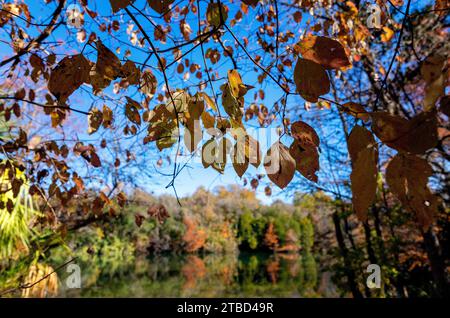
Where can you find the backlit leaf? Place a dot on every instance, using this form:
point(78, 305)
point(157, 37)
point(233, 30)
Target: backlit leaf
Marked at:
point(279, 165)
point(415, 136)
point(311, 80)
point(363, 152)
point(325, 51)
point(70, 73)
point(407, 177)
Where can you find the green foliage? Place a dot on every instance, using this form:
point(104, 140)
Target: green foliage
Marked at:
point(15, 230)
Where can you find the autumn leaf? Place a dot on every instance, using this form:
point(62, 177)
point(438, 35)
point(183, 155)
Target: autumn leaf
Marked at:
point(387, 34)
point(95, 159)
point(117, 5)
point(239, 159)
point(108, 64)
point(233, 106)
point(304, 149)
point(306, 160)
point(70, 73)
point(279, 165)
point(325, 51)
point(305, 134)
point(432, 71)
point(356, 110)
point(208, 120)
point(363, 152)
point(407, 177)
point(193, 132)
point(132, 111)
point(237, 88)
point(416, 135)
point(131, 74)
point(444, 105)
point(148, 84)
point(160, 6)
point(138, 219)
point(95, 119)
point(107, 119)
point(216, 12)
point(209, 102)
point(311, 80)
point(209, 150)
point(252, 3)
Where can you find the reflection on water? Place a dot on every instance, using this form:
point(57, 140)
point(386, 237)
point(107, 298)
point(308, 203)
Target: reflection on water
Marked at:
point(243, 275)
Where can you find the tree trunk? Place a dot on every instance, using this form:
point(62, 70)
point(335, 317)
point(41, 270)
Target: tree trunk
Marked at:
point(351, 277)
point(434, 253)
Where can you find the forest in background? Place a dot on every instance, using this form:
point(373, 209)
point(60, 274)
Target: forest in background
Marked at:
point(210, 225)
point(99, 101)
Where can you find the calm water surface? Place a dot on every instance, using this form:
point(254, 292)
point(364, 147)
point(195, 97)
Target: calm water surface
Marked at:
point(243, 275)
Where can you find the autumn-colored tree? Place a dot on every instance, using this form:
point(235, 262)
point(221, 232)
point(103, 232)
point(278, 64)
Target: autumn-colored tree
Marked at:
point(99, 91)
point(270, 238)
point(194, 237)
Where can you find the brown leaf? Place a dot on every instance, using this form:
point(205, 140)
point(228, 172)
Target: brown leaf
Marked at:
point(407, 177)
point(70, 73)
point(356, 110)
point(363, 152)
point(138, 219)
point(311, 80)
point(108, 64)
point(306, 160)
point(252, 3)
point(159, 212)
point(117, 5)
point(434, 74)
point(240, 161)
point(359, 139)
point(279, 165)
point(325, 51)
point(148, 84)
point(95, 119)
point(305, 134)
point(160, 6)
point(131, 111)
point(95, 160)
point(131, 73)
point(415, 136)
point(214, 13)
